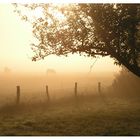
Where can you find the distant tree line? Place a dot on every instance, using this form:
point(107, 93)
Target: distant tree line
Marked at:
point(126, 83)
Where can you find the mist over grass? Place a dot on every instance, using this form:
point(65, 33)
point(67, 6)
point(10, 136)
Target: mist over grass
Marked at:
point(60, 85)
point(112, 112)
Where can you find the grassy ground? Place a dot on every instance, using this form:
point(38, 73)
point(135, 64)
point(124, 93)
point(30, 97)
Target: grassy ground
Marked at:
point(88, 116)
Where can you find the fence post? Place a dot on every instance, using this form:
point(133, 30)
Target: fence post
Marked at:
point(47, 93)
point(99, 87)
point(18, 95)
point(75, 89)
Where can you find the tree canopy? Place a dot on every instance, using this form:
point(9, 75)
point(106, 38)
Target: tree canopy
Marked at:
point(88, 29)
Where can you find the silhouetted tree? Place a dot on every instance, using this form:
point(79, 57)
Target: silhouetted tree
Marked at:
point(91, 29)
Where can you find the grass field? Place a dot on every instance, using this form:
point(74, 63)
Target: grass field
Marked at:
point(86, 116)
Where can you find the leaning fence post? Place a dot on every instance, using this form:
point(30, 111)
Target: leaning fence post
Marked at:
point(47, 93)
point(18, 95)
point(99, 87)
point(75, 89)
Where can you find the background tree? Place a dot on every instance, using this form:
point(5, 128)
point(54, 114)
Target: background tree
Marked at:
point(125, 84)
point(89, 29)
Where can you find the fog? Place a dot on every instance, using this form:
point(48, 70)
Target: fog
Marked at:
point(125, 84)
point(73, 95)
point(60, 85)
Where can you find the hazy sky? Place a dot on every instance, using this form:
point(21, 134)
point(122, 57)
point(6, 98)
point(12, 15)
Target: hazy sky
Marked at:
point(15, 52)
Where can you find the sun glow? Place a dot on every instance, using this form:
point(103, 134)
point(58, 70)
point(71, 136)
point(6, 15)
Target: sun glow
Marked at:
point(54, 11)
point(38, 12)
point(58, 11)
point(16, 37)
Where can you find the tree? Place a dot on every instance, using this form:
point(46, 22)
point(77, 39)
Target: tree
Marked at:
point(89, 29)
point(126, 84)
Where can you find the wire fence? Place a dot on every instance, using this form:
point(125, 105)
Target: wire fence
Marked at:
point(48, 92)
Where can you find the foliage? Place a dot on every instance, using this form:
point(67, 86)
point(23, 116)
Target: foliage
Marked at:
point(91, 29)
point(126, 84)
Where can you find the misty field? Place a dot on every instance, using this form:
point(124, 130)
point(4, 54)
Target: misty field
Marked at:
point(81, 93)
point(85, 116)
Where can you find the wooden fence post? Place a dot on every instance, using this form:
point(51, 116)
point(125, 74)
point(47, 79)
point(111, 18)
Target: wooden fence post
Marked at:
point(75, 89)
point(18, 95)
point(99, 87)
point(47, 93)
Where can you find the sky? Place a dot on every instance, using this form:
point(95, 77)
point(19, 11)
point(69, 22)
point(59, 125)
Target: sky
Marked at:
point(15, 50)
